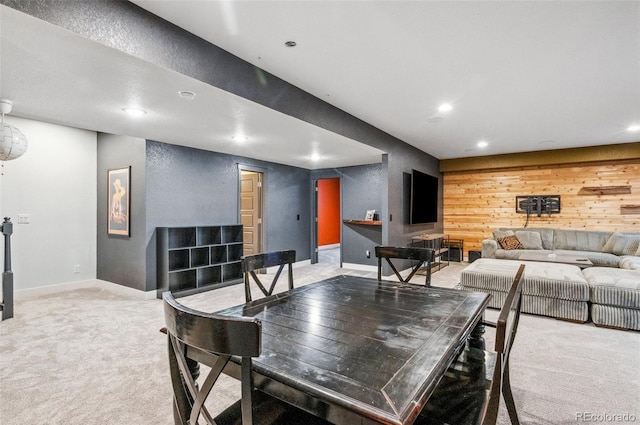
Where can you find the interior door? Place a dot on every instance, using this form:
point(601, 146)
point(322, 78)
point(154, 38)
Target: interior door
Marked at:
point(251, 210)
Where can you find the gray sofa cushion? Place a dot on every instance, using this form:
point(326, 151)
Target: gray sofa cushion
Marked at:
point(599, 259)
point(529, 239)
point(514, 254)
point(629, 262)
point(581, 240)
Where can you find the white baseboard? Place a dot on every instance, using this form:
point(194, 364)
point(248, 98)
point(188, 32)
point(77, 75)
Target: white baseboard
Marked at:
point(91, 283)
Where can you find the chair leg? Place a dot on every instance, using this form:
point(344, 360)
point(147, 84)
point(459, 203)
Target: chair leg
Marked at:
point(508, 397)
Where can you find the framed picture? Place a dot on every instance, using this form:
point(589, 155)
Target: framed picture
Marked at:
point(370, 215)
point(118, 201)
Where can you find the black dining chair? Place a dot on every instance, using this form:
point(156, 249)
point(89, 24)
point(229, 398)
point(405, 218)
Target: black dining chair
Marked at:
point(252, 263)
point(190, 329)
point(470, 391)
point(421, 255)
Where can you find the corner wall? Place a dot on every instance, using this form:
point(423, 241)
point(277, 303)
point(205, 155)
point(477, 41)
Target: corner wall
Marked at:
point(54, 183)
point(121, 259)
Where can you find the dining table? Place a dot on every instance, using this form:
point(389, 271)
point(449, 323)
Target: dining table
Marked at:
point(357, 350)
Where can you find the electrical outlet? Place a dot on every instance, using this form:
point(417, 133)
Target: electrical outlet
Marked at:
point(76, 268)
point(368, 253)
point(23, 218)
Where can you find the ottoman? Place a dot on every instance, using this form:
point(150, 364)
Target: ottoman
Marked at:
point(549, 289)
point(615, 297)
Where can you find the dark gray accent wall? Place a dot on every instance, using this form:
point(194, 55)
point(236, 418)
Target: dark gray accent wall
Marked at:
point(188, 187)
point(121, 259)
point(360, 190)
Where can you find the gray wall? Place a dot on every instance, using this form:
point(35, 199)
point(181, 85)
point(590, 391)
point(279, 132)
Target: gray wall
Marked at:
point(360, 190)
point(188, 186)
point(121, 259)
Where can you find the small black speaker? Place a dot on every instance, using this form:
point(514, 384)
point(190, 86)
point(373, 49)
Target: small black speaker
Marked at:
point(474, 255)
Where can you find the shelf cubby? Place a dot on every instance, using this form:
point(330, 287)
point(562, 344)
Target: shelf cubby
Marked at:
point(200, 256)
point(178, 259)
point(210, 235)
point(195, 258)
point(182, 237)
point(218, 254)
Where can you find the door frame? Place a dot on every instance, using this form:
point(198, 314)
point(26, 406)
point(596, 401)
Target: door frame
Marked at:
point(263, 171)
point(314, 216)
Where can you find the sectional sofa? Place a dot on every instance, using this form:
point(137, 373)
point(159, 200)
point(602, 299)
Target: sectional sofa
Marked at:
point(607, 293)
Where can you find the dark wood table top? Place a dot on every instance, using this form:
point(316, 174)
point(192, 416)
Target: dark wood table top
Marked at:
point(355, 350)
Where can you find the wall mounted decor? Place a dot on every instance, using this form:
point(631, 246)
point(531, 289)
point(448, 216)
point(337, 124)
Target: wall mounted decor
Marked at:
point(118, 202)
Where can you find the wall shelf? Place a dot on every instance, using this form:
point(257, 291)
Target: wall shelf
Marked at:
point(363, 222)
point(629, 209)
point(605, 190)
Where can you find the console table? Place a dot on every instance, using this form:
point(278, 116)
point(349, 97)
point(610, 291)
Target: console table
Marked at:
point(437, 241)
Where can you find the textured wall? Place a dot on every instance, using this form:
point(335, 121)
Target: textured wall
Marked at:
point(478, 202)
point(188, 186)
point(121, 259)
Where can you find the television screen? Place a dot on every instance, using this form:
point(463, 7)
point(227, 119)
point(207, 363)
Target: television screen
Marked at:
point(424, 198)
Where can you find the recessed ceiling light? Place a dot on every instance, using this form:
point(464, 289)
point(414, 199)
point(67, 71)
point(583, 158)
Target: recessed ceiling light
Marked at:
point(315, 156)
point(134, 112)
point(187, 95)
point(290, 44)
point(482, 144)
point(633, 128)
point(239, 138)
point(445, 107)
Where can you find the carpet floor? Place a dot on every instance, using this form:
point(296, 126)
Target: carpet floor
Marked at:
point(94, 356)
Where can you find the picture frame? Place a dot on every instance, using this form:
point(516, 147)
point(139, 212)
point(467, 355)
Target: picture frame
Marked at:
point(119, 201)
point(370, 215)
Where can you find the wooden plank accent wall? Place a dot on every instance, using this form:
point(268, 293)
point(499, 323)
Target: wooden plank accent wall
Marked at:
point(478, 202)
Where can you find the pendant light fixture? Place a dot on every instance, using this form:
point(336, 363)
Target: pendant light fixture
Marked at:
point(13, 144)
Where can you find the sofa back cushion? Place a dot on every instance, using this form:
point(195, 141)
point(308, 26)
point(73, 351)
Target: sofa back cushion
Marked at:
point(580, 240)
point(529, 239)
point(546, 234)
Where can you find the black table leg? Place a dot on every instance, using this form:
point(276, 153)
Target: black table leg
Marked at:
point(476, 339)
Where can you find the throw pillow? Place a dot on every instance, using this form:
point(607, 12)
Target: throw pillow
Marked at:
point(510, 242)
point(626, 245)
point(608, 246)
point(498, 234)
point(529, 240)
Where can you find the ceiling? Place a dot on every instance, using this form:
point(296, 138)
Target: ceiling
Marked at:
point(522, 76)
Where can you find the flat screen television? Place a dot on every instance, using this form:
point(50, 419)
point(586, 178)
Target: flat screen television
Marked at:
point(424, 198)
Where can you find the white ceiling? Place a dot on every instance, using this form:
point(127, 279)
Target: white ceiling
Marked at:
point(523, 76)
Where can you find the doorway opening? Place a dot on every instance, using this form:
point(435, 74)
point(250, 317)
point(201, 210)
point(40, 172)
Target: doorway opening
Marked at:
point(251, 196)
point(328, 222)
